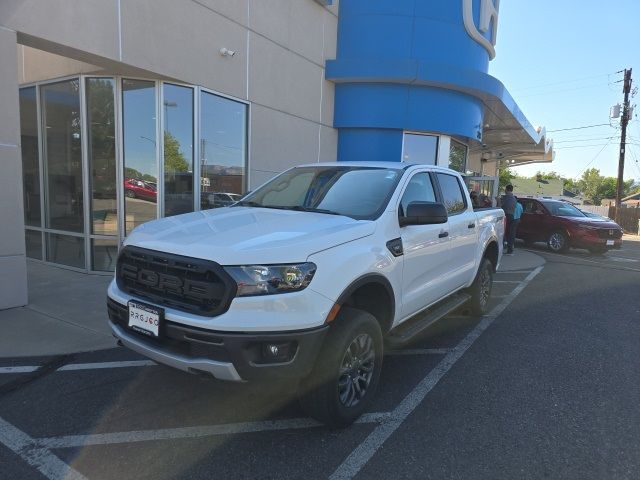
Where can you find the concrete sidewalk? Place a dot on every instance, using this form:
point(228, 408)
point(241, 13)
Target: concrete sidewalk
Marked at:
point(66, 314)
point(67, 311)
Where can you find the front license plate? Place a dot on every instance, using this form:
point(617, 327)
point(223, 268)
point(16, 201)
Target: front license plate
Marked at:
point(610, 242)
point(145, 319)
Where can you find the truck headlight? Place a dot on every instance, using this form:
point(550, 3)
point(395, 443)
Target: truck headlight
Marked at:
point(271, 279)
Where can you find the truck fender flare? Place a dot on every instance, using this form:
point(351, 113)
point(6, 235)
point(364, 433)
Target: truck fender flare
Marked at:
point(370, 278)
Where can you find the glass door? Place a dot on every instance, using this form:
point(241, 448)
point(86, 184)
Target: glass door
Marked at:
point(483, 190)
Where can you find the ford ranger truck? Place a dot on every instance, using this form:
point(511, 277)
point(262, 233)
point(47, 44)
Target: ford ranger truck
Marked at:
point(308, 278)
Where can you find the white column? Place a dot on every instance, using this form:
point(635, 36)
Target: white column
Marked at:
point(13, 265)
point(444, 145)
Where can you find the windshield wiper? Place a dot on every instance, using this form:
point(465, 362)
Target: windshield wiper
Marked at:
point(300, 208)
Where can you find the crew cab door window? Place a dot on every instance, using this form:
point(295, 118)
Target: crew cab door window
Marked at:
point(452, 196)
point(419, 189)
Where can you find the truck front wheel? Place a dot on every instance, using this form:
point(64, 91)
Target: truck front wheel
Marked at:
point(344, 380)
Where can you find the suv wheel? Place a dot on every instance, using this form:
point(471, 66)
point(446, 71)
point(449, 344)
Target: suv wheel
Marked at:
point(344, 380)
point(558, 242)
point(480, 290)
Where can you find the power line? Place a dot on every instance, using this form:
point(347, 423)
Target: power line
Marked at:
point(580, 128)
point(592, 139)
point(594, 158)
point(584, 146)
point(564, 82)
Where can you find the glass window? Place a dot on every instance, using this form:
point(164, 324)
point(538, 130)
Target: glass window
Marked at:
point(102, 155)
point(452, 196)
point(223, 149)
point(139, 151)
point(65, 249)
point(178, 149)
point(419, 189)
point(358, 192)
point(458, 157)
point(562, 209)
point(104, 254)
point(420, 148)
point(33, 242)
point(30, 166)
point(63, 154)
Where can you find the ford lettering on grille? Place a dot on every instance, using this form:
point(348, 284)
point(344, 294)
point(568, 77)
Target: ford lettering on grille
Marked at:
point(188, 284)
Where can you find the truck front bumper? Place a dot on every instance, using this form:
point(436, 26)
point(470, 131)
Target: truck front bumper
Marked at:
point(232, 356)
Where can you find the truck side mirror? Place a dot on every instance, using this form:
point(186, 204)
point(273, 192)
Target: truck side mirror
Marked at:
point(424, 213)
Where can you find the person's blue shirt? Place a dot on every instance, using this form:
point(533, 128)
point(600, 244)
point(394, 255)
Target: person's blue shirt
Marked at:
point(517, 213)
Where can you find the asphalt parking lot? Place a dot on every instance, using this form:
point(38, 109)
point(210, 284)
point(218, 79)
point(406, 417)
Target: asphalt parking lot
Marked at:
point(544, 386)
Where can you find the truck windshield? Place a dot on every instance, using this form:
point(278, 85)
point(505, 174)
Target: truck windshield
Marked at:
point(561, 209)
point(361, 193)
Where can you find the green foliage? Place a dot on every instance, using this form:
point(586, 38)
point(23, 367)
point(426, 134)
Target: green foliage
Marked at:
point(505, 177)
point(174, 159)
point(595, 187)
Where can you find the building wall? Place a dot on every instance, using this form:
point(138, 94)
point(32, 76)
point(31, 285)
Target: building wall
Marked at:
point(280, 51)
point(13, 265)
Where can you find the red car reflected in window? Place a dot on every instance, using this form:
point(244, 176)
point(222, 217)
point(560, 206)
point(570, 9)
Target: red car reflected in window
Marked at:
point(141, 189)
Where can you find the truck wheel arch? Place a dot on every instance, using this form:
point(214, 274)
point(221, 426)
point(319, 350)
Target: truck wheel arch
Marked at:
point(491, 253)
point(372, 293)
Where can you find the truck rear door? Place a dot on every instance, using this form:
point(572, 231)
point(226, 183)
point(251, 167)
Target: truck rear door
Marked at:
point(462, 227)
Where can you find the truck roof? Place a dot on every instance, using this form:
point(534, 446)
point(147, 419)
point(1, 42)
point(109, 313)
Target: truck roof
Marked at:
point(389, 165)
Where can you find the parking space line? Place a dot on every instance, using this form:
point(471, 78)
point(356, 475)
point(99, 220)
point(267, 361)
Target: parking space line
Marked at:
point(508, 281)
point(419, 351)
point(367, 449)
point(19, 369)
point(80, 366)
point(40, 458)
point(514, 271)
point(71, 441)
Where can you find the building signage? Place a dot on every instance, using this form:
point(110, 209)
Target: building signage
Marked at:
point(488, 13)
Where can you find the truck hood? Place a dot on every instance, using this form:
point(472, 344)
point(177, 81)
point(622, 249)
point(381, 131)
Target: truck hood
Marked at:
point(247, 235)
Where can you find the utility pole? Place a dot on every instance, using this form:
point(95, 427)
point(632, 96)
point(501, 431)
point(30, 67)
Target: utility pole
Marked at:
point(623, 140)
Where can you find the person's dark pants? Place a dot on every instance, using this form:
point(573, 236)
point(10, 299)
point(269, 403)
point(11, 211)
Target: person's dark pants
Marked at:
point(512, 234)
point(507, 233)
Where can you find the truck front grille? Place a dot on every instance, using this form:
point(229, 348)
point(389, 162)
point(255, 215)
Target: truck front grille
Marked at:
point(188, 284)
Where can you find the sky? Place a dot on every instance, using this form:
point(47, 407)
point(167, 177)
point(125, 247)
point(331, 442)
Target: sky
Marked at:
point(558, 59)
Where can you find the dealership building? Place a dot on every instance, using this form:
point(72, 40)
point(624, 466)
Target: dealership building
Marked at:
point(117, 112)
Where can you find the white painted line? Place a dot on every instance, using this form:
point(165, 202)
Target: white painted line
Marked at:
point(40, 458)
point(506, 281)
point(95, 366)
point(419, 351)
point(81, 366)
point(20, 369)
point(192, 432)
point(514, 271)
point(363, 453)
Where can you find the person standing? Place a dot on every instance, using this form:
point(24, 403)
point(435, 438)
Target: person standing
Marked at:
point(508, 204)
point(517, 214)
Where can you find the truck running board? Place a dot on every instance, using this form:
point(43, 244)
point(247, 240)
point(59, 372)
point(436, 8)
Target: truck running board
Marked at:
point(414, 326)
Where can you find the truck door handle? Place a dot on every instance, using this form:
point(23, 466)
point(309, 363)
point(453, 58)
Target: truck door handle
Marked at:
point(443, 235)
point(471, 225)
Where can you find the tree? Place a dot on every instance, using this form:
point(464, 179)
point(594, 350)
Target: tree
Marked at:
point(595, 187)
point(174, 159)
point(505, 177)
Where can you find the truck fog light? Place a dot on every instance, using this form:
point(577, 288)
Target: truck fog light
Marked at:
point(278, 352)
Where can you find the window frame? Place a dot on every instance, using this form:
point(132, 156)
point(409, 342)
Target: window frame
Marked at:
point(462, 192)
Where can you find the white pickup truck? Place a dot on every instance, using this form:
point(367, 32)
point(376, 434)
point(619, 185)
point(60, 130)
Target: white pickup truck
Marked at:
point(309, 277)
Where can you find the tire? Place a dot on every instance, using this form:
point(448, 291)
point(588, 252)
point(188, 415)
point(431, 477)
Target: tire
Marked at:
point(329, 394)
point(558, 242)
point(480, 289)
point(130, 193)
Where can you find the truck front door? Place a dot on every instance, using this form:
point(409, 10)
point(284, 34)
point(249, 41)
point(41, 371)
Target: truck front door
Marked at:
point(426, 251)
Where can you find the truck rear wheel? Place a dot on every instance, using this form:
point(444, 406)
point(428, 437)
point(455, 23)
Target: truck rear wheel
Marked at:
point(344, 380)
point(480, 290)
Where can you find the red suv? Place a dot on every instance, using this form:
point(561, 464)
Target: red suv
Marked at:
point(562, 226)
